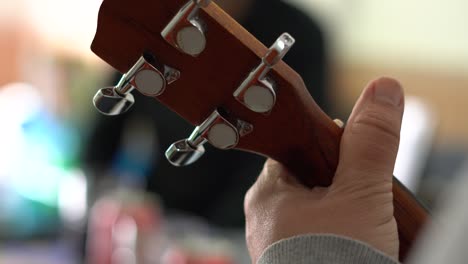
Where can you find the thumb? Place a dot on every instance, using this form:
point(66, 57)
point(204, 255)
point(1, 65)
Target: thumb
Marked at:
point(371, 138)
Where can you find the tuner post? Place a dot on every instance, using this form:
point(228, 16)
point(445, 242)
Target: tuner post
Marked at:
point(257, 91)
point(147, 76)
point(186, 31)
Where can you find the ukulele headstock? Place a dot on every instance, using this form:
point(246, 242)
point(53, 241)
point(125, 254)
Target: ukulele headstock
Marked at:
point(198, 61)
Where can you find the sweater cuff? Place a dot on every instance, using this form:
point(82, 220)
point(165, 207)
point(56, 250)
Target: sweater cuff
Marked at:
point(322, 249)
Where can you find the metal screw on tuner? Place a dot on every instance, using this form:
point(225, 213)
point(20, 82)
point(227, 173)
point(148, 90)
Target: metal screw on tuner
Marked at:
point(216, 130)
point(147, 76)
point(257, 91)
point(186, 31)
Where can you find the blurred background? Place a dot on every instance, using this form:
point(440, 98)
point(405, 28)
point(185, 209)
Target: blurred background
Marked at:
point(79, 188)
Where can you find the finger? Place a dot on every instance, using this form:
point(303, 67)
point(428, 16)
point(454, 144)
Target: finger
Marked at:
point(370, 141)
point(273, 179)
point(275, 174)
point(263, 186)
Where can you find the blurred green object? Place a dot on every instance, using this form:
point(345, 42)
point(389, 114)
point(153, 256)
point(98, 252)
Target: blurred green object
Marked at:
point(38, 152)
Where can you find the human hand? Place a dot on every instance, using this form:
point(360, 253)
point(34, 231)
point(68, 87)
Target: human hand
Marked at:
point(358, 204)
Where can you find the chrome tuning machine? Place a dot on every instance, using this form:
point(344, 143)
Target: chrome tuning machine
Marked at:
point(216, 130)
point(148, 76)
point(186, 31)
point(257, 91)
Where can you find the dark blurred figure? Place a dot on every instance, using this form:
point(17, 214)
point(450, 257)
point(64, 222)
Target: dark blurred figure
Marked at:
point(214, 187)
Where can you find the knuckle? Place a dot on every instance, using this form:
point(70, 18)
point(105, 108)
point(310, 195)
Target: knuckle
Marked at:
point(250, 199)
point(384, 124)
point(259, 197)
point(368, 195)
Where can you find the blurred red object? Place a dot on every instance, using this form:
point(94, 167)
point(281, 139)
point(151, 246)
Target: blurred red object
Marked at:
point(119, 228)
point(178, 256)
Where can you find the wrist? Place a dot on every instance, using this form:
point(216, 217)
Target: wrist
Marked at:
point(323, 248)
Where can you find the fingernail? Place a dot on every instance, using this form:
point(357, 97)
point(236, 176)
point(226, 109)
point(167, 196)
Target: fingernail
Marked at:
point(388, 91)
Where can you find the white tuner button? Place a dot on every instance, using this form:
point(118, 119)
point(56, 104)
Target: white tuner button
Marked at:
point(259, 99)
point(223, 136)
point(150, 82)
point(191, 40)
point(258, 92)
point(186, 30)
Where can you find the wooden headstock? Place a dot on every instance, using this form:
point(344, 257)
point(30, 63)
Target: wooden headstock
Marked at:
point(296, 132)
point(305, 142)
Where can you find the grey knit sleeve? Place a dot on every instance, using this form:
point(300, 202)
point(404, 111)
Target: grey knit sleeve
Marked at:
point(322, 249)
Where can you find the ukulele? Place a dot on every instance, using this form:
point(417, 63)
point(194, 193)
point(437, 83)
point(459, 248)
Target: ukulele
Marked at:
point(245, 96)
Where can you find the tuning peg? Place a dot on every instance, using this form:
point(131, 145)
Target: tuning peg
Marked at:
point(182, 153)
point(257, 91)
point(109, 102)
point(186, 31)
point(148, 76)
point(216, 130)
